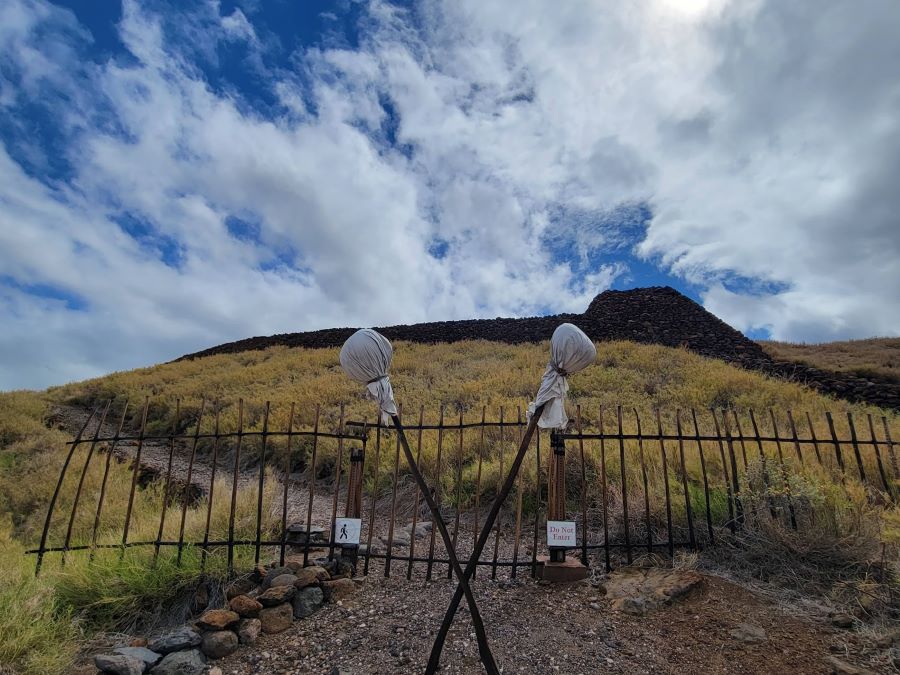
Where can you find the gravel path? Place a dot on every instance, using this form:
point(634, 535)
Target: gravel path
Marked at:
point(389, 625)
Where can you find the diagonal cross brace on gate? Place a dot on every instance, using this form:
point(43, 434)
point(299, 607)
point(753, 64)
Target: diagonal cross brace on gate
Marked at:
point(483, 536)
point(366, 357)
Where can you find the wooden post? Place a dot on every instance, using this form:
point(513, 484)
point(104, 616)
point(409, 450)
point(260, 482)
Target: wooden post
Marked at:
point(556, 502)
point(353, 507)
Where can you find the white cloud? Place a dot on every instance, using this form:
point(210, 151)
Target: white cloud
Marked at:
point(762, 135)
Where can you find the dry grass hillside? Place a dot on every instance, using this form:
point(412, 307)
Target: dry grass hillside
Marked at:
point(877, 358)
point(42, 622)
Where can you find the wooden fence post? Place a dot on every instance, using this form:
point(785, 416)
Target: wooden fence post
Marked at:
point(556, 495)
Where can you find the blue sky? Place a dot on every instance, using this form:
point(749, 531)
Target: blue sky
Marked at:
point(178, 174)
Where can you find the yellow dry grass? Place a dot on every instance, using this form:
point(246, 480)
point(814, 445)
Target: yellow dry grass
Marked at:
point(878, 357)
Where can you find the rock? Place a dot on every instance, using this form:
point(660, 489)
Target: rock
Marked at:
point(401, 539)
point(276, 619)
point(637, 591)
point(307, 601)
point(283, 580)
point(423, 529)
point(297, 534)
point(119, 664)
point(181, 638)
point(635, 606)
point(191, 662)
point(747, 632)
point(842, 620)
point(274, 573)
point(245, 606)
point(339, 589)
point(276, 595)
point(219, 643)
point(838, 667)
point(148, 657)
point(343, 569)
point(239, 587)
point(248, 631)
point(217, 619)
point(215, 670)
point(308, 576)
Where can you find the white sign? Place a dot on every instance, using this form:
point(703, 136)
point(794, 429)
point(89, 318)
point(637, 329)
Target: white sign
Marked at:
point(561, 533)
point(346, 531)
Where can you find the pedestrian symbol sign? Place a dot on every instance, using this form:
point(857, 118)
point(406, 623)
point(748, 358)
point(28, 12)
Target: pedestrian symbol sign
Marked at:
point(346, 531)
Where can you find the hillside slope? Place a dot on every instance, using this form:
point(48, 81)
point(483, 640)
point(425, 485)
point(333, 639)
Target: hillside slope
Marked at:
point(875, 359)
point(656, 315)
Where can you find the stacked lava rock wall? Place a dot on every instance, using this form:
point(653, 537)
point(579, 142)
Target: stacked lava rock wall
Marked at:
point(657, 315)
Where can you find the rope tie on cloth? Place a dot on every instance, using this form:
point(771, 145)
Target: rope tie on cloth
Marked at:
point(366, 357)
point(570, 351)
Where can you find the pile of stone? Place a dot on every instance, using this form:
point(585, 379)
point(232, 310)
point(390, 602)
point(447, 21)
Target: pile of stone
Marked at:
point(267, 601)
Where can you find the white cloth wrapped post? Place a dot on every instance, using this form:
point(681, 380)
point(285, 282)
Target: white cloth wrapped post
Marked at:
point(570, 351)
point(366, 357)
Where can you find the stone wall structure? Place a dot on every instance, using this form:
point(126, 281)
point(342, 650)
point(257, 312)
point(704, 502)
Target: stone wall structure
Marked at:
point(655, 315)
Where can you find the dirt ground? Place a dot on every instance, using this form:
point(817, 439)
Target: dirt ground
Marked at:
point(389, 625)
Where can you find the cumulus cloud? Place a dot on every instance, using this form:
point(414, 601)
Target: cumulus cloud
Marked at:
point(464, 159)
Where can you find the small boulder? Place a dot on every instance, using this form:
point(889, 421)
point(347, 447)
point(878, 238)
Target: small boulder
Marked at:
point(401, 539)
point(238, 587)
point(838, 667)
point(276, 619)
point(118, 664)
point(245, 606)
point(217, 619)
point(276, 595)
point(297, 534)
point(307, 601)
point(747, 632)
point(339, 589)
point(283, 580)
point(343, 568)
point(422, 529)
point(248, 631)
point(308, 576)
point(272, 574)
point(643, 590)
point(190, 662)
point(637, 606)
point(175, 641)
point(219, 643)
point(149, 658)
